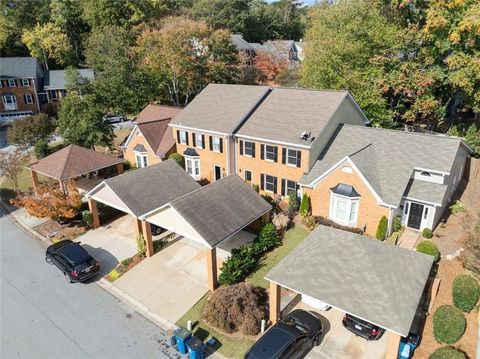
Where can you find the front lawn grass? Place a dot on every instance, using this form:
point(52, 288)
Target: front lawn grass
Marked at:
point(7, 191)
point(228, 346)
point(291, 239)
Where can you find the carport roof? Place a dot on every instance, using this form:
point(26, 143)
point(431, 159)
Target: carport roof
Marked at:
point(146, 189)
point(373, 280)
point(221, 209)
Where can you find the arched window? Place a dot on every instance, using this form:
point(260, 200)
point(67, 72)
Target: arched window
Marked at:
point(425, 174)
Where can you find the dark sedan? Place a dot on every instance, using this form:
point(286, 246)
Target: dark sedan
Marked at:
point(73, 260)
point(292, 337)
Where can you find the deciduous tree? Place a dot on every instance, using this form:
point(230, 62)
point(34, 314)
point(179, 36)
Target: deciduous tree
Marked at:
point(26, 132)
point(11, 164)
point(51, 201)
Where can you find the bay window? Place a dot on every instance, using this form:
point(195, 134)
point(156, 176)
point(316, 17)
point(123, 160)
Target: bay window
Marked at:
point(192, 165)
point(344, 200)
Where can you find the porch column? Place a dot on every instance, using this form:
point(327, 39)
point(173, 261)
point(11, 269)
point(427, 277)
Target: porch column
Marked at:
point(62, 186)
point(392, 346)
point(138, 226)
point(274, 300)
point(147, 236)
point(35, 183)
point(92, 206)
point(212, 269)
point(120, 168)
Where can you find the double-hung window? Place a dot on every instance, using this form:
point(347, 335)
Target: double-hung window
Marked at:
point(183, 137)
point(199, 140)
point(12, 83)
point(248, 148)
point(192, 165)
point(289, 186)
point(270, 183)
point(270, 153)
point(28, 98)
point(292, 157)
point(25, 82)
point(216, 144)
point(141, 159)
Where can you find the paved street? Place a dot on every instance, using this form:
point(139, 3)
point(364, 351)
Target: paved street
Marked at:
point(43, 316)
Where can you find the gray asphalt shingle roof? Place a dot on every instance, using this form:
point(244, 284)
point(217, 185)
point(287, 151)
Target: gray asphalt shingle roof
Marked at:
point(215, 214)
point(373, 280)
point(20, 67)
point(287, 112)
point(220, 108)
point(425, 191)
point(146, 189)
point(55, 79)
point(386, 158)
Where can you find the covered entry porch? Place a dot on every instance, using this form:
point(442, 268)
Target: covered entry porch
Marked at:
point(371, 280)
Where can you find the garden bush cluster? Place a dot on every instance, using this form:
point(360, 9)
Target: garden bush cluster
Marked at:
point(245, 258)
point(448, 353)
point(465, 292)
point(428, 247)
point(448, 324)
point(238, 307)
point(382, 228)
point(427, 233)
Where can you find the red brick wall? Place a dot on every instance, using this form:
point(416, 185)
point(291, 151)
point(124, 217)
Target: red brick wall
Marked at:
point(19, 91)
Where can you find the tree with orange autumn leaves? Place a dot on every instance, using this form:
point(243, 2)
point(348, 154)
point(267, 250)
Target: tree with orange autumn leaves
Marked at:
point(51, 201)
point(268, 67)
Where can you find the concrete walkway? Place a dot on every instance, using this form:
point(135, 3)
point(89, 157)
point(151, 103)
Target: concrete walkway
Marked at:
point(170, 282)
point(408, 239)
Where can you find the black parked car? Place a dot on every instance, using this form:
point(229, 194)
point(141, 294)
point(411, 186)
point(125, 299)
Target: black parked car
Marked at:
point(73, 260)
point(156, 230)
point(292, 337)
point(362, 328)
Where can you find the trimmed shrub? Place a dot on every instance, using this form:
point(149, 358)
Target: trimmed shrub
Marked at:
point(292, 201)
point(428, 247)
point(87, 217)
point(327, 222)
point(448, 353)
point(397, 223)
point(237, 308)
point(141, 245)
point(465, 292)
point(427, 233)
point(114, 275)
point(177, 157)
point(309, 222)
point(382, 228)
point(238, 266)
point(41, 149)
point(305, 205)
point(457, 207)
point(267, 239)
point(280, 221)
point(448, 324)
point(256, 187)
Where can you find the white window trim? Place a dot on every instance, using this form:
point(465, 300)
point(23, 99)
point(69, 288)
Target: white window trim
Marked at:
point(14, 83)
point(245, 147)
point(265, 184)
point(214, 143)
point(54, 92)
point(23, 82)
point(195, 163)
point(348, 209)
point(245, 175)
point(199, 140)
point(143, 159)
point(268, 159)
point(28, 98)
point(286, 187)
point(296, 158)
point(183, 137)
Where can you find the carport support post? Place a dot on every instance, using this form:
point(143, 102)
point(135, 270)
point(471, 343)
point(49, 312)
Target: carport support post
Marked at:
point(92, 206)
point(212, 268)
point(147, 236)
point(393, 344)
point(275, 296)
point(34, 176)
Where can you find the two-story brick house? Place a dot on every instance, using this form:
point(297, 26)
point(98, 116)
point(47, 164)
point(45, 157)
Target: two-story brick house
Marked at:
point(21, 81)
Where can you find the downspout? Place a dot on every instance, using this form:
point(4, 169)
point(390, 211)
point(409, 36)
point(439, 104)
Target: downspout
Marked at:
point(390, 222)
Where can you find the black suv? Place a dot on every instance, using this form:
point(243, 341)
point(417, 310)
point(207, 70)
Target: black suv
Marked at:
point(73, 260)
point(292, 337)
point(362, 328)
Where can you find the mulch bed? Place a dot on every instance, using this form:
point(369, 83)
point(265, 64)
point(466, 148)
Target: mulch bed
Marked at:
point(122, 268)
point(56, 231)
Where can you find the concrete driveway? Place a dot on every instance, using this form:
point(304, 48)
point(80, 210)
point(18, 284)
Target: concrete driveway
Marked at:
point(170, 282)
point(112, 243)
point(339, 343)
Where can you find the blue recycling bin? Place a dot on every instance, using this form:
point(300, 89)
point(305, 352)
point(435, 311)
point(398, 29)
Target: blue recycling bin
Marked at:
point(196, 348)
point(182, 336)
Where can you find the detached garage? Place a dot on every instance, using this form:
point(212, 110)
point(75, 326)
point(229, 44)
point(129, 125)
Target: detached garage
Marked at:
point(372, 280)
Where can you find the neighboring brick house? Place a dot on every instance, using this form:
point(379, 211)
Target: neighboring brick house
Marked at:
point(366, 173)
point(151, 139)
point(25, 87)
point(21, 81)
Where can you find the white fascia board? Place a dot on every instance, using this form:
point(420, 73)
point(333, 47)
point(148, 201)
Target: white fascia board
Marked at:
point(187, 128)
point(423, 201)
point(94, 189)
point(432, 171)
